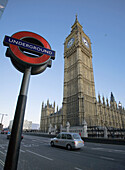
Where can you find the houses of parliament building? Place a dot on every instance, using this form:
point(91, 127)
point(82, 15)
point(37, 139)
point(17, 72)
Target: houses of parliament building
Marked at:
point(79, 99)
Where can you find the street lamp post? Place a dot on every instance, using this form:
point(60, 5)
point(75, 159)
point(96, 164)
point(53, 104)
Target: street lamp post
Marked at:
point(2, 117)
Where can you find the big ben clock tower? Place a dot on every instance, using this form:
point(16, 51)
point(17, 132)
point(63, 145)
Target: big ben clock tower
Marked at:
point(79, 88)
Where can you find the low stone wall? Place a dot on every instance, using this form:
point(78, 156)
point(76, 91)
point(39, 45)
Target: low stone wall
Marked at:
point(93, 140)
point(39, 134)
point(105, 141)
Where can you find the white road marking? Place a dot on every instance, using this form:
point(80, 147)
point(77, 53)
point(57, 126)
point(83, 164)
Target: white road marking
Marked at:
point(107, 158)
point(74, 152)
point(34, 140)
point(43, 141)
point(98, 148)
point(40, 155)
point(109, 150)
point(119, 151)
point(2, 152)
point(1, 162)
point(31, 145)
point(27, 145)
point(22, 151)
point(3, 146)
point(77, 168)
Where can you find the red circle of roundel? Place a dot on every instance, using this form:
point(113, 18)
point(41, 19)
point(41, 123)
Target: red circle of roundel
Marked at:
point(30, 60)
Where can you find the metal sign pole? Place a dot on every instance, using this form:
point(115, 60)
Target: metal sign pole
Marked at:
point(15, 139)
point(20, 43)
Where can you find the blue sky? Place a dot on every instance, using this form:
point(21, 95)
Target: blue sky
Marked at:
point(102, 20)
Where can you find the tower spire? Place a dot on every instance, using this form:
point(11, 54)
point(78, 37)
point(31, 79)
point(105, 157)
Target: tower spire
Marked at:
point(76, 18)
point(76, 24)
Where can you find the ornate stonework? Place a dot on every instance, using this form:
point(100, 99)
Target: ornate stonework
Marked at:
point(79, 101)
point(50, 117)
point(79, 89)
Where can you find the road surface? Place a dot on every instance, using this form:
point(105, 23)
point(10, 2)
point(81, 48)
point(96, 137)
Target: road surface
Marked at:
point(37, 154)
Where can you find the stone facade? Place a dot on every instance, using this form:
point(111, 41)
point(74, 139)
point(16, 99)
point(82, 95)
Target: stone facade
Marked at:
point(49, 117)
point(79, 89)
point(109, 115)
point(1, 126)
point(79, 101)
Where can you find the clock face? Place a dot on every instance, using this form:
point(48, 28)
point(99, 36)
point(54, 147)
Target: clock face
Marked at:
point(85, 42)
point(70, 42)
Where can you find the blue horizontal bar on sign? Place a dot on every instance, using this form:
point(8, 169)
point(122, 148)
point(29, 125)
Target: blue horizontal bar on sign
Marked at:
point(33, 47)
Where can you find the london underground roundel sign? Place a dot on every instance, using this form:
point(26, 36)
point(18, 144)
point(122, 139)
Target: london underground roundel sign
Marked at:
point(29, 48)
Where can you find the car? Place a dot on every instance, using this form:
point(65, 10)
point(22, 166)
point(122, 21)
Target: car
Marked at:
point(9, 134)
point(67, 140)
point(4, 131)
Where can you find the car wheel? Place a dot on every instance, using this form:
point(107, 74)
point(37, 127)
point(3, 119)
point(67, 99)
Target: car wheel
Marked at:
point(69, 147)
point(52, 143)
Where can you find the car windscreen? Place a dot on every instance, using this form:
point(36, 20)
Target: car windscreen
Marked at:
point(58, 136)
point(76, 136)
